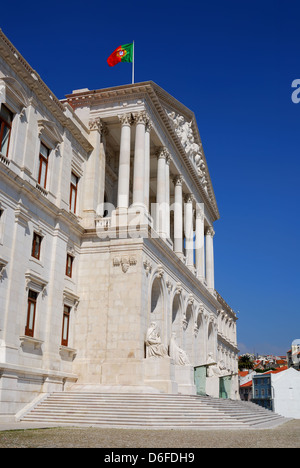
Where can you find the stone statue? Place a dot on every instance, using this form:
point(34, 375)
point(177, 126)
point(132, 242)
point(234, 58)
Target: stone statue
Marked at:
point(154, 346)
point(185, 133)
point(215, 369)
point(177, 354)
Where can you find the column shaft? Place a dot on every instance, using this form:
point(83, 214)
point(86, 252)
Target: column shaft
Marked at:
point(178, 216)
point(167, 199)
point(199, 242)
point(124, 162)
point(147, 166)
point(210, 258)
point(139, 160)
point(188, 229)
point(161, 192)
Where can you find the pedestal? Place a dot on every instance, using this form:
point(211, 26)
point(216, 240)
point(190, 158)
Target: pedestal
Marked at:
point(160, 374)
point(184, 376)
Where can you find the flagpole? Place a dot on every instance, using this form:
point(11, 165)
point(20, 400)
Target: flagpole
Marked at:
point(133, 62)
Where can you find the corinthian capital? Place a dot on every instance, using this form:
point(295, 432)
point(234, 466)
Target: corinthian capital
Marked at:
point(125, 119)
point(149, 126)
point(162, 153)
point(96, 124)
point(178, 179)
point(141, 117)
point(210, 232)
point(189, 198)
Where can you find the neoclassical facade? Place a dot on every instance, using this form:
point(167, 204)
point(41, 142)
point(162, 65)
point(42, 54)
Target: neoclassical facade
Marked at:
point(107, 216)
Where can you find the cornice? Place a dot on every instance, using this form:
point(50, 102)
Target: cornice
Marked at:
point(34, 82)
point(226, 307)
point(227, 343)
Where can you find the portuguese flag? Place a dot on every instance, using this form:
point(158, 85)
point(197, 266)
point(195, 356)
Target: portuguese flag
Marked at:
point(123, 53)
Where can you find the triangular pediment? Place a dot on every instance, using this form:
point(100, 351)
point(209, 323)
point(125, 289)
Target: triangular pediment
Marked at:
point(50, 129)
point(16, 91)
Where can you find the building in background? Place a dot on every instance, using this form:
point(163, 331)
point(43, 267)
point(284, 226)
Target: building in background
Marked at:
point(107, 216)
point(293, 355)
point(278, 390)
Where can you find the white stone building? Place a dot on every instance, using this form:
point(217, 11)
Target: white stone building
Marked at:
point(107, 215)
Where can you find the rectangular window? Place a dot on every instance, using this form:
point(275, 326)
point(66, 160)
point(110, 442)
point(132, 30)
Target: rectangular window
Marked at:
point(65, 326)
point(31, 310)
point(36, 246)
point(73, 192)
point(43, 166)
point(69, 266)
point(6, 118)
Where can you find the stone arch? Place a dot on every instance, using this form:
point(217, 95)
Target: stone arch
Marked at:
point(157, 306)
point(211, 339)
point(188, 334)
point(176, 325)
point(200, 340)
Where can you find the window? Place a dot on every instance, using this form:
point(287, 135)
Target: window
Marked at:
point(6, 118)
point(43, 166)
point(73, 192)
point(31, 309)
point(65, 326)
point(36, 246)
point(69, 266)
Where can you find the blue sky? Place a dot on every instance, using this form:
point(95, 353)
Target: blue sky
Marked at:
point(233, 64)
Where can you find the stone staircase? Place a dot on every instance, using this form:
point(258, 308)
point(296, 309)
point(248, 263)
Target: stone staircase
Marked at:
point(149, 411)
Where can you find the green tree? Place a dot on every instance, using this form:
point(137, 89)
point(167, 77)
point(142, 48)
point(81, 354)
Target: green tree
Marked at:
point(246, 362)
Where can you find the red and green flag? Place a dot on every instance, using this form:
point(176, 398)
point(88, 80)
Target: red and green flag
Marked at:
point(123, 53)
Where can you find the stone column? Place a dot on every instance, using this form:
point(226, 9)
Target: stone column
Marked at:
point(95, 166)
point(199, 242)
point(210, 276)
point(124, 162)
point(188, 230)
point(139, 160)
point(178, 216)
point(167, 198)
point(147, 165)
point(161, 192)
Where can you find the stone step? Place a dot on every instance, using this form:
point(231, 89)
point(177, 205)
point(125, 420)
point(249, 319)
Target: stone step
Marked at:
point(147, 410)
point(139, 422)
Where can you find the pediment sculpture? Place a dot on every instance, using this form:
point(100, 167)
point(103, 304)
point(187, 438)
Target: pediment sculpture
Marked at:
point(185, 133)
